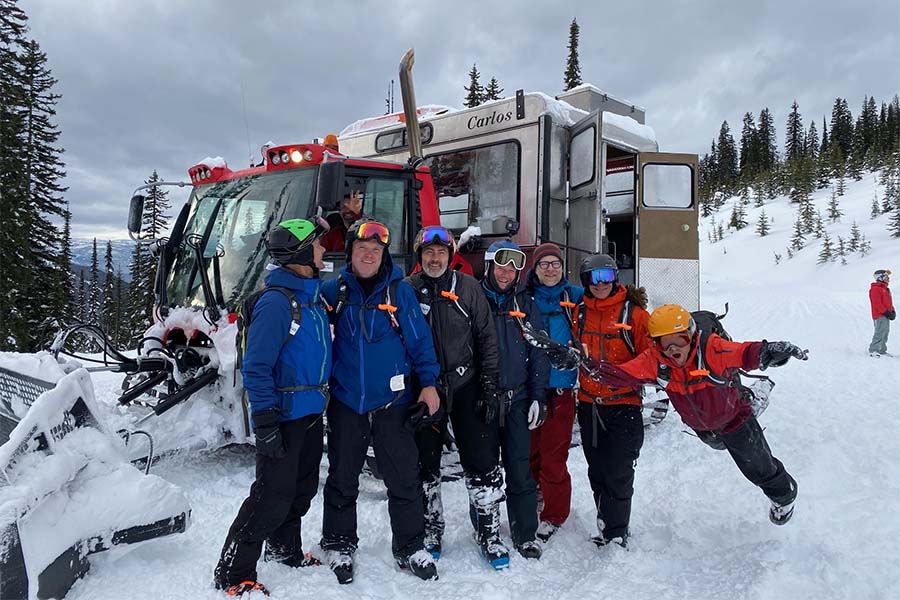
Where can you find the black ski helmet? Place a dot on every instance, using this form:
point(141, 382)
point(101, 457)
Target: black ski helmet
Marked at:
point(291, 242)
point(436, 235)
point(596, 261)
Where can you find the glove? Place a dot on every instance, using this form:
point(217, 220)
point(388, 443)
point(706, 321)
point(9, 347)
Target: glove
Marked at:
point(489, 404)
point(891, 315)
point(268, 434)
point(417, 417)
point(537, 414)
point(564, 358)
point(775, 354)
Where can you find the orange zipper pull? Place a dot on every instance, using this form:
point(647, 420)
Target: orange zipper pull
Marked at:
point(515, 313)
point(622, 326)
point(388, 307)
point(449, 295)
point(565, 304)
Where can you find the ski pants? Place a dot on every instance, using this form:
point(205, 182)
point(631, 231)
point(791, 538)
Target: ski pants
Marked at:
point(549, 453)
point(278, 499)
point(619, 432)
point(880, 337)
point(479, 453)
point(521, 491)
point(397, 460)
point(750, 452)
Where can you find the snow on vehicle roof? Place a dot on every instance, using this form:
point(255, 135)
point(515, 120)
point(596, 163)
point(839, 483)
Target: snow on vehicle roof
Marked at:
point(213, 161)
point(589, 86)
point(617, 128)
point(372, 123)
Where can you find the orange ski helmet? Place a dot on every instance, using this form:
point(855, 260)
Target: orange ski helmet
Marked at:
point(671, 318)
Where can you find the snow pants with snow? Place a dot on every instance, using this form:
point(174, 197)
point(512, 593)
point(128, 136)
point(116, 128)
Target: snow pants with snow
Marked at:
point(619, 433)
point(479, 453)
point(549, 454)
point(521, 491)
point(397, 459)
point(880, 337)
point(750, 452)
point(278, 499)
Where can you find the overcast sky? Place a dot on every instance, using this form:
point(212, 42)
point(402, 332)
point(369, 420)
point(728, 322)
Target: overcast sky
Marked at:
point(156, 84)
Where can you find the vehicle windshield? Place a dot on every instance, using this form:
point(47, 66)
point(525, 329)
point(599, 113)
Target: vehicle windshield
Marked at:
point(229, 220)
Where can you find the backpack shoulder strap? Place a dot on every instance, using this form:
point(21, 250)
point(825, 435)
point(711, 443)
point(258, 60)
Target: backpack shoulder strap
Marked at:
point(340, 302)
point(624, 325)
point(389, 308)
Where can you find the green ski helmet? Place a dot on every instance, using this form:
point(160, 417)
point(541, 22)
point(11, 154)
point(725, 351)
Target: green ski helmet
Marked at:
point(290, 242)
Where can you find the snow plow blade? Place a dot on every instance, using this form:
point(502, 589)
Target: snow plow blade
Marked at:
point(67, 489)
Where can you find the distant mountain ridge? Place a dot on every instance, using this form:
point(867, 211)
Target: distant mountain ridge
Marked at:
point(82, 249)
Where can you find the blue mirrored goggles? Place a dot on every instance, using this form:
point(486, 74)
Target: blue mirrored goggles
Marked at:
point(435, 234)
point(602, 276)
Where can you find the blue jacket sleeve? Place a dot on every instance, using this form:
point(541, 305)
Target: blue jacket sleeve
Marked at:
point(417, 335)
point(269, 328)
point(538, 361)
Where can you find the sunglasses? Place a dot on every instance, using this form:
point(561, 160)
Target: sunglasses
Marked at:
point(435, 234)
point(507, 256)
point(373, 230)
point(547, 264)
point(602, 276)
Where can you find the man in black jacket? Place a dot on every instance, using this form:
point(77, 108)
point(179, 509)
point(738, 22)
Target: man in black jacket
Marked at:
point(466, 345)
point(524, 375)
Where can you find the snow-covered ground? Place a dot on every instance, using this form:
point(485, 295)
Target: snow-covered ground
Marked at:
point(699, 529)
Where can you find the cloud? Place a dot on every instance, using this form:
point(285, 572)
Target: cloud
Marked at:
point(161, 84)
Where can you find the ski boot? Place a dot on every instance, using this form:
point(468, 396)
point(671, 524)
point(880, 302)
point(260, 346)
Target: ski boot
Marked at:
point(601, 541)
point(530, 549)
point(245, 587)
point(342, 565)
point(545, 531)
point(295, 560)
point(496, 553)
point(779, 513)
point(433, 547)
point(420, 563)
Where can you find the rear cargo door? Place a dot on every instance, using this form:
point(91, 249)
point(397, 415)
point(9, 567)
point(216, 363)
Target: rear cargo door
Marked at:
point(585, 227)
point(668, 244)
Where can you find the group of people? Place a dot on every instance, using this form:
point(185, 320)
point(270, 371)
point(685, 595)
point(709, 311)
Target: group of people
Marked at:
point(408, 355)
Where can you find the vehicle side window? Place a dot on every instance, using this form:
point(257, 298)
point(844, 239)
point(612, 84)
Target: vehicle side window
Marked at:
point(384, 201)
point(477, 186)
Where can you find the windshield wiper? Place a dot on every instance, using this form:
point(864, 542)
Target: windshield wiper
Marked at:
point(198, 243)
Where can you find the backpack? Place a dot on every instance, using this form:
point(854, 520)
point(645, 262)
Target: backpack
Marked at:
point(245, 317)
point(756, 394)
point(623, 325)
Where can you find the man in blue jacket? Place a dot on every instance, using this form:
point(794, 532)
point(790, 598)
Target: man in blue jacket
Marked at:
point(555, 298)
point(286, 365)
point(380, 338)
point(524, 372)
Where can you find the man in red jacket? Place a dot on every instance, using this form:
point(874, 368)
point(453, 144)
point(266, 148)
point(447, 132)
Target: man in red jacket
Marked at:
point(696, 370)
point(882, 312)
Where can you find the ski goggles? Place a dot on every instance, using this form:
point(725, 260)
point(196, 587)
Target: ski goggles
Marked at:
point(601, 276)
point(683, 340)
point(508, 256)
point(435, 234)
point(373, 230)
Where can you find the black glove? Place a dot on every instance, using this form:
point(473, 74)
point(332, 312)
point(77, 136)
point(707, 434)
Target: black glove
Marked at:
point(891, 315)
point(775, 354)
point(268, 434)
point(417, 417)
point(489, 404)
point(537, 414)
point(564, 358)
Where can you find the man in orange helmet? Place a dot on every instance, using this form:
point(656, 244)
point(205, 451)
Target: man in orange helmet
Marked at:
point(697, 370)
point(611, 321)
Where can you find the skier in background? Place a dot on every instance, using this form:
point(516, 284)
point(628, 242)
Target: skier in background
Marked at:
point(882, 312)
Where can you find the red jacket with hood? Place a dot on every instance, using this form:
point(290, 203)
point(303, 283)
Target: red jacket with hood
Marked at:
point(702, 404)
point(880, 297)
